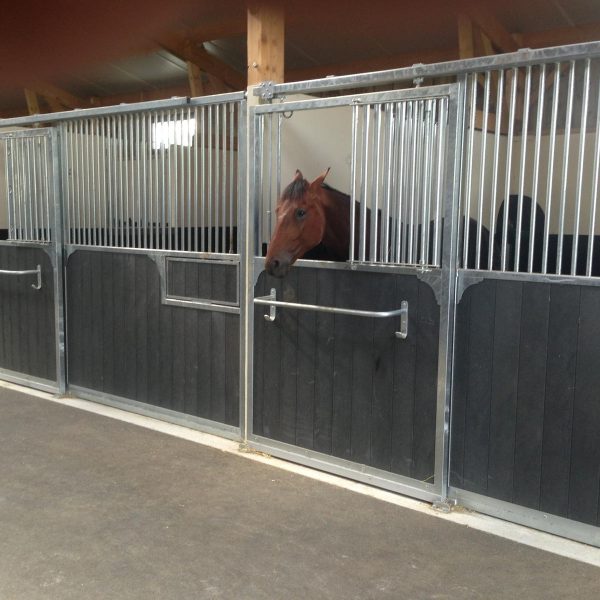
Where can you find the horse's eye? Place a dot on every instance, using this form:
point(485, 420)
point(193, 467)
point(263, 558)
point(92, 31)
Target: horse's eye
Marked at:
point(300, 213)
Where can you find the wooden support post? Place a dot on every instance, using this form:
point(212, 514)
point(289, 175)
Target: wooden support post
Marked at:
point(33, 104)
point(466, 47)
point(265, 42)
point(195, 79)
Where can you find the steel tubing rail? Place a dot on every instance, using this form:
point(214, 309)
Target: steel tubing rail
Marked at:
point(37, 271)
point(271, 301)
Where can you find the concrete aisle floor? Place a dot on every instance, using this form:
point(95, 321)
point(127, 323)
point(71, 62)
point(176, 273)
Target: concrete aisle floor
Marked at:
point(94, 508)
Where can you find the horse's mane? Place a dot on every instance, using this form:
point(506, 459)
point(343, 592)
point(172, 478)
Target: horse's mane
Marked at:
point(332, 189)
point(295, 190)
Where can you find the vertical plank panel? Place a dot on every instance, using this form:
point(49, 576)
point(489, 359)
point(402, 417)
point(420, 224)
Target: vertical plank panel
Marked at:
point(385, 343)
point(232, 370)
point(585, 456)
point(153, 327)
point(178, 344)
point(106, 274)
point(324, 362)
point(404, 384)
point(287, 361)
point(460, 390)
point(204, 337)
point(190, 342)
point(426, 384)
point(532, 391)
point(358, 295)
point(560, 391)
point(504, 389)
point(129, 316)
point(307, 349)
point(141, 327)
point(218, 372)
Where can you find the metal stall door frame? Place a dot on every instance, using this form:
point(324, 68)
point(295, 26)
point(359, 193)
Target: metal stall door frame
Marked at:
point(440, 279)
point(35, 222)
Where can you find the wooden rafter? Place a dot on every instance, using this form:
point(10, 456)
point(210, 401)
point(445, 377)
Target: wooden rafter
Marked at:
point(195, 79)
point(375, 64)
point(487, 21)
point(56, 95)
point(466, 42)
point(33, 103)
point(187, 50)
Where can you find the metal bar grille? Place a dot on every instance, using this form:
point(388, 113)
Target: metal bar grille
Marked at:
point(529, 198)
point(166, 179)
point(29, 185)
point(397, 178)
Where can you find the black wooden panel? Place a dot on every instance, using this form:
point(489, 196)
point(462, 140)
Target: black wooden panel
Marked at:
point(532, 391)
point(560, 391)
point(505, 368)
point(585, 457)
point(225, 274)
point(122, 341)
point(540, 445)
point(345, 385)
point(478, 398)
point(27, 340)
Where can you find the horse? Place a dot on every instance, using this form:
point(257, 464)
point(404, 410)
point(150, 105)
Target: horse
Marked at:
point(313, 220)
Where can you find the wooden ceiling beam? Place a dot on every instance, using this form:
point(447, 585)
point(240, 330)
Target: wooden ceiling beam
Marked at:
point(55, 94)
point(189, 51)
point(374, 64)
point(33, 102)
point(490, 25)
point(466, 41)
point(265, 41)
point(589, 32)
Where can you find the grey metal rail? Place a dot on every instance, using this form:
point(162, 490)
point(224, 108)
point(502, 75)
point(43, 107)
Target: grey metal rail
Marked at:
point(37, 271)
point(273, 303)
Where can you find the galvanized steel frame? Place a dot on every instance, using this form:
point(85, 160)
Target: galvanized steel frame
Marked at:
point(253, 265)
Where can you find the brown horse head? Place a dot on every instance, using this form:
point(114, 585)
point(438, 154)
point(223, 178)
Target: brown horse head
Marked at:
point(300, 224)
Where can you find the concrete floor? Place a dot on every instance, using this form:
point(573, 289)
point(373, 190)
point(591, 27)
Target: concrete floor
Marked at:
point(94, 508)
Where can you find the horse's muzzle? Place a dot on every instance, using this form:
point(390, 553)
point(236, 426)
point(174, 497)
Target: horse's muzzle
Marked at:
point(278, 266)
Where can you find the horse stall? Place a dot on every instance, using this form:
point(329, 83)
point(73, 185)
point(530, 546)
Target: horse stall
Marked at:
point(149, 206)
point(391, 276)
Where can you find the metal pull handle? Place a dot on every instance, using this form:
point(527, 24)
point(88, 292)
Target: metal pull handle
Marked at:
point(37, 271)
point(272, 302)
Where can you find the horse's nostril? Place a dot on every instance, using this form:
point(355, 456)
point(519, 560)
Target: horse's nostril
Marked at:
point(274, 264)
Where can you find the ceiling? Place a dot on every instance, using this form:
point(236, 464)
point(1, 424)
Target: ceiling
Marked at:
point(69, 59)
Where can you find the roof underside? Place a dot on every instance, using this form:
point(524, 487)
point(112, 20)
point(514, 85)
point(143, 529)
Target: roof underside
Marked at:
point(318, 40)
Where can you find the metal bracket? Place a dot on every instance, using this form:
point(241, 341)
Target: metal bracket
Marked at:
point(465, 280)
point(265, 90)
point(433, 278)
point(272, 308)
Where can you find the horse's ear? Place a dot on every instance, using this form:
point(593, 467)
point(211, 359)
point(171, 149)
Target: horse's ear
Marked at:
point(298, 176)
point(316, 184)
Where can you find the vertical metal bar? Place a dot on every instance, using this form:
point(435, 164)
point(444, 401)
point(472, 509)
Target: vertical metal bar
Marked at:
point(196, 182)
point(169, 157)
point(580, 162)
point(224, 165)
point(424, 259)
point(232, 126)
point(217, 174)
point(375, 187)
point(536, 163)
point(419, 131)
point(92, 174)
point(28, 196)
point(187, 221)
point(550, 175)
point(70, 130)
point(269, 155)
point(565, 168)
point(352, 249)
point(413, 179)
point(387, 173)
point(594, 191)
point(137, 161)
point(112, 181)
point(180, 190)
point(482, 166)
point(58, 260)
point(36, 201)
point(523, 158)
point(130, 183)
point(260, 208)
point(88, 184)
point(203, 179)
point(469, 171)
point(209, 146)
point(511, 128)
point(8, 171)
point(442, 151)
point(48, 187)
point(403, 125)
point(144, 242)
point(364, 172)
